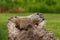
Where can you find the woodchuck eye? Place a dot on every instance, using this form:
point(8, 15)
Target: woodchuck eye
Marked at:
point(37, 24)
point(17, 27)
point(21, 29)
point(29, 26)
point(25, 28)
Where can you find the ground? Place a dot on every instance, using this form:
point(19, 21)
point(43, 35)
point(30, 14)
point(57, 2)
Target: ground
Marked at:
point(53, 23)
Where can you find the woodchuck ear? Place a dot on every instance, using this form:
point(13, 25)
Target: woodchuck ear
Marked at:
point(41, 16)
point(13, 18)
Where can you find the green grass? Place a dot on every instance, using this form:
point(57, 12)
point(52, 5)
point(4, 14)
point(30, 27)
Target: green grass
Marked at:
point(53, 23)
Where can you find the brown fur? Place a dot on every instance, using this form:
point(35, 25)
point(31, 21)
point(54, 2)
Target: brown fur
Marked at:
point(19, 26)
point(28, 28)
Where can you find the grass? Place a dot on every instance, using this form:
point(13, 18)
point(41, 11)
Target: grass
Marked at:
point(53, 23)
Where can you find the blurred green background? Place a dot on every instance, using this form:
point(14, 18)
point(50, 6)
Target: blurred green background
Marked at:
point(49, 8)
